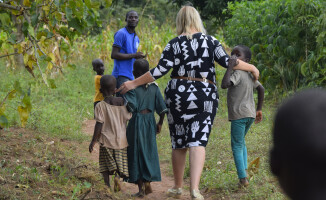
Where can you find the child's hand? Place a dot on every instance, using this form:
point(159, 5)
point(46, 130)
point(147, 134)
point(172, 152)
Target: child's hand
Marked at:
point(158, 128)
point(259, 116)
point(91, 146)
point(233, 61)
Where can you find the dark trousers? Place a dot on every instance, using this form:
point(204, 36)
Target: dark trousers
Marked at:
point(120, 81)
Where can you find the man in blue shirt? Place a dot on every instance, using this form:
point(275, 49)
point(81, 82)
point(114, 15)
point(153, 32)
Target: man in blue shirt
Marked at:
point(124, 49)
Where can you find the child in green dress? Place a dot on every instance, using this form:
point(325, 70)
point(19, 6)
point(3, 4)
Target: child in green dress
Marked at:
point(143, 161)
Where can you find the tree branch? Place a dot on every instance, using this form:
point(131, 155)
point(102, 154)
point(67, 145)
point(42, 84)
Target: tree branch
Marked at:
point(57, 66)
point(18, 8)
point(11, 54)
point(36, 57)
point(3, 101)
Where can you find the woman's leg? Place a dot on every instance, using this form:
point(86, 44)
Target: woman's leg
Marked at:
point(196, 160)
point(178, 164)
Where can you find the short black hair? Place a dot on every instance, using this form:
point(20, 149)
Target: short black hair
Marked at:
point(298, 155)
point(97, 62)
point(141, 66)
point(129, 13)
point(246, 51)
point(108, 82)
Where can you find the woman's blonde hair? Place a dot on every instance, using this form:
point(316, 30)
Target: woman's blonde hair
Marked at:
point(188, 19)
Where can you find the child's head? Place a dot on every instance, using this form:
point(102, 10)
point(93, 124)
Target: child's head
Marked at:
point(108, 85)
point(242, 52)
point(98, 66)
point(141, 66)
point(298, 155)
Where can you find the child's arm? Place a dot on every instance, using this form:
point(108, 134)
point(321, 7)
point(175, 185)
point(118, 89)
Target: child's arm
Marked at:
point(226, 82)
point(259, 113)
point(160, 122)
point(96, 136)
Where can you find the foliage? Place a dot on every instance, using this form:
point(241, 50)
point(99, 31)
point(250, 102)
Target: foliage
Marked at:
point(210, 10)
point(40, 33)
point(287, 38)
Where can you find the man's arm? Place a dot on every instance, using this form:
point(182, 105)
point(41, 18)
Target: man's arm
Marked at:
point(259, 114)
point(226, 82)
point(116, 54)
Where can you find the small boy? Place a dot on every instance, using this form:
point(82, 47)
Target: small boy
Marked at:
point(98, 67)
point(110, 132)
point(241, 107)
point(298, 155)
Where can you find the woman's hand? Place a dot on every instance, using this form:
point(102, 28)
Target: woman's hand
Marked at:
point(126, 86)
point(255, 72)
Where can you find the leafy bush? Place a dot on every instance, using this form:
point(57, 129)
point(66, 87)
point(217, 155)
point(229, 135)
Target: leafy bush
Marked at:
point(287, 38)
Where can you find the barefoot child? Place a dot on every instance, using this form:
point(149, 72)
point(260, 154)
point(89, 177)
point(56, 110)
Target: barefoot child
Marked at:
point(143, 161)
point(110, 131)
point(241, 107)
point(98, 67)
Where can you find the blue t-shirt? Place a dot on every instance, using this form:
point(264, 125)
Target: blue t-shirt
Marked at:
point(128, 44)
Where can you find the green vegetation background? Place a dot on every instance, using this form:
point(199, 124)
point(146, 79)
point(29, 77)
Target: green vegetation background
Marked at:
point(60, 111)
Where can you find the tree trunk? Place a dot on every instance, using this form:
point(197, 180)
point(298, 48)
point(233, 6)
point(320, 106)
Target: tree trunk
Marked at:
point(19, 58)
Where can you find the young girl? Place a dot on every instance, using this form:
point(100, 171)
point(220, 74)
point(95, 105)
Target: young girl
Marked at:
point(110, 131)
point(143, 161)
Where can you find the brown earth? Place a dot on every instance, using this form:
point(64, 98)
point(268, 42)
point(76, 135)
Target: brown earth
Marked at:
point(34, 165)
point(159, 188)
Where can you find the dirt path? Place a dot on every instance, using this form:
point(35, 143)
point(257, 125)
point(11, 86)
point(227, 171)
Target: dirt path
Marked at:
point(159, 188)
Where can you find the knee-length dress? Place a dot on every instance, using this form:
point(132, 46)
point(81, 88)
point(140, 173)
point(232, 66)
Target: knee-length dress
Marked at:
point(143, 161)
point(192, 105)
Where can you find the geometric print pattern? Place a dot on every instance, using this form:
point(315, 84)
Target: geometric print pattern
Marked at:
point(192, 105)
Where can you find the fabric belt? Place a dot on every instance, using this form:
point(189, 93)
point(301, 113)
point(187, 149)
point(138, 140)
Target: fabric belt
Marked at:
point(194, 79)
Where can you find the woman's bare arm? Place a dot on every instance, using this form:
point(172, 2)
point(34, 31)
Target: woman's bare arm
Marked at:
point(247, 67)
point(129, 85)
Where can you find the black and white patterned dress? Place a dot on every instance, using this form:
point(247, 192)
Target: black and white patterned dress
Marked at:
point(192, 105)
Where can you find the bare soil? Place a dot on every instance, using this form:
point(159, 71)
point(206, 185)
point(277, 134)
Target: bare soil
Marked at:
point(159, 188)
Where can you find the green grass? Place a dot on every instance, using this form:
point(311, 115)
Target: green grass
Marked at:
point(60, 112)
point(219, 175)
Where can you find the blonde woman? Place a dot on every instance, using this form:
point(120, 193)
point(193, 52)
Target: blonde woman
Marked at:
point(191, 94)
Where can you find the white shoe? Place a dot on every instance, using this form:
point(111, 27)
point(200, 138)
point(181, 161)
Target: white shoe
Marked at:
point(195, 195)
point(175, 193)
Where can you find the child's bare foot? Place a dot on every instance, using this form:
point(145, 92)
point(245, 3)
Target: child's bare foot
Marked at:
point(117, 186)
point(148, 188)
point(243, 182)
point(139, 194)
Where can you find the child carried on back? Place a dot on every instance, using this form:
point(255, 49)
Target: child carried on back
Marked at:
point(110, 131)
point(143, 161)
point(241, 107)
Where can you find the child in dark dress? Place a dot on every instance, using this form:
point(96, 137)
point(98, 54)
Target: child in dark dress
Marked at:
point(143, 161)
point(110, 131)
